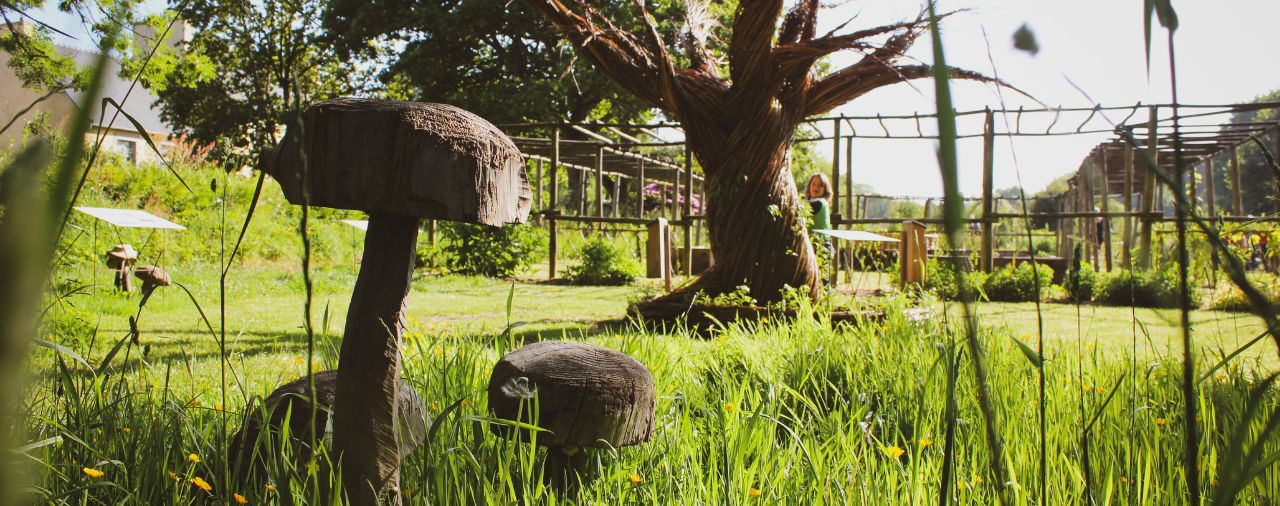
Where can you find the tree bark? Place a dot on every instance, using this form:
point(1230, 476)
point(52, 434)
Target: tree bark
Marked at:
point(365, 435)
point(759, 236)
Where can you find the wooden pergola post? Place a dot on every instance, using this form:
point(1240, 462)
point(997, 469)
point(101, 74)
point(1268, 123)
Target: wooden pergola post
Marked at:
point(640, 190)
point(1237, 200)
point(1148, 192)
point(537, 183)
point(1211, 209)
point(1126, 252)
point(1106, 208)
point(600, 181)
point(848, 174)
point(687, 258)
point(836, 207)
point(555, 202)
point(987, 257)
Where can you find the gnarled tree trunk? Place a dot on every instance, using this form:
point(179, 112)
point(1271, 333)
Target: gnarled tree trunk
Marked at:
point(754, 216)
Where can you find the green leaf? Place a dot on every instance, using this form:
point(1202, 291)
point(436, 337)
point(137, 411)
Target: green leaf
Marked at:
point(63, 350)
point(1032, 355)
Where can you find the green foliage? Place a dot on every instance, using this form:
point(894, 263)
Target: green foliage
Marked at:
point(37, 64)
point(1018, 283)
point(942, 280)
point(1154, 288)
point(1227, 297)
point(451, 52)
point(1079, 284)
point(498, 252)
point(248, 65)
point(602, 264)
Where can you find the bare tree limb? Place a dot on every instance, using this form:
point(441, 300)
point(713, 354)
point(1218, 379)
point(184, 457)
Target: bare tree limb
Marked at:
point(752, 43)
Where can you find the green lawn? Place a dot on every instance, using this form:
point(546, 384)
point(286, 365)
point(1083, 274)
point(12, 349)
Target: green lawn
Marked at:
point(776, 413)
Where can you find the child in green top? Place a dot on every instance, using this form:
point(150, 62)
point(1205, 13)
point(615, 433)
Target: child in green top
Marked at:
point(818, 191)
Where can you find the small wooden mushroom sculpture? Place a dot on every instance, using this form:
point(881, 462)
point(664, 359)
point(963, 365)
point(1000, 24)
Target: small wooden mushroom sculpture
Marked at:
point(399, 162)
point(292, 403)
point(121, 258)
point(588, 396)
point(152, 277)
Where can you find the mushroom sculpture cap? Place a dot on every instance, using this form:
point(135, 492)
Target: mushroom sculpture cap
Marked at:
point(587, 395)
point(403, 158)
point(152, 275)
point(119, 254)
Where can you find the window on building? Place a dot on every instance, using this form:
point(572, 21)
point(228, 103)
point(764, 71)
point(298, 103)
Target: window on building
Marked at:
point(129, 149)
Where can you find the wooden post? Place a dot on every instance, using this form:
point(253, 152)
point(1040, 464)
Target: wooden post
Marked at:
point(640, 191)
point(1148, 192)
point(1106, 209)
point(431, 232)
point(555, 203)
point(848, 173)
point(913, 254)
point(1126, 232)
point(1211, 211)
point(835, 168)
point(537, 184)
point(987, 258)
point(617, 195)
point(687, 210)
point(657, 250)
point(600, 181)
point(1237, 202)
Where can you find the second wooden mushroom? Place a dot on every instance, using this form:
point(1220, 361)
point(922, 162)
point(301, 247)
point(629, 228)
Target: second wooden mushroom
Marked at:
point(587, 396)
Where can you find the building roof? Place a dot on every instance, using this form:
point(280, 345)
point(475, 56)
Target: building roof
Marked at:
point(141, 104)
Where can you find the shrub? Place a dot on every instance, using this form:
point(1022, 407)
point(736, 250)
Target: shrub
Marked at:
point(1142, 289)
point(1227, 297)
point(1080, 283)
point(1018, 284)
point(603, 265)
point(942, 280)
point(497, 252)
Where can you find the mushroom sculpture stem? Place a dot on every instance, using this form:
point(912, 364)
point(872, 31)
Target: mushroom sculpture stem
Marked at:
point(370, 355)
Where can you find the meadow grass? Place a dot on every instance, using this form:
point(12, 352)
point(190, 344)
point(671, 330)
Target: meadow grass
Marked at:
point(791, 413)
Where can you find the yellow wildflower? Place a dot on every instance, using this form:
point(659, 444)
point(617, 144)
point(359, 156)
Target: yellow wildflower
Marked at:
point(193, 458)
point(977, 479)
point(1088, 388)
point(93, 473)
point(240, 499)
point(1100, 390)
point(926, 442)
point(217, 406)
point(754, 492)
point(894, 452)
point(438, 351)
point(126, 430)
point(1162, 421)
point(203, 485)
point(729, 407)
point(271, 488)
point(434, 407)
point(173, 476)
point(635, 479)
point(466, 402)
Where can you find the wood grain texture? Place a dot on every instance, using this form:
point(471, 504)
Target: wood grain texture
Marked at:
point(404, 158)
point(365, 436)
point(587, 395)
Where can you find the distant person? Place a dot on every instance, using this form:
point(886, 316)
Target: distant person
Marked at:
point(818, 192)
point(1102, 233)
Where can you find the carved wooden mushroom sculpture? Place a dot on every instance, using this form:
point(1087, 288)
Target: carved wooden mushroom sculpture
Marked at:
point(152, 277)
point(588, 396)
point(121, 258)
point(292, 403)
point(399, 162)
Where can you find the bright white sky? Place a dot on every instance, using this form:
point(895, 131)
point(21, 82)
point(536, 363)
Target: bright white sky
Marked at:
point(1098, 44)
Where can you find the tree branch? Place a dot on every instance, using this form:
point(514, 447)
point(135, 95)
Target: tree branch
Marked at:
point(857, 80)
point(615, 52)
point(751, 46)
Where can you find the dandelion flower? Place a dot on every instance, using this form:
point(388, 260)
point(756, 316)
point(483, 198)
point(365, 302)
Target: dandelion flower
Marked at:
point(126, 430)
point(239, 499)
point(93, 473)
point(754, 492)
point(271, 488)
point(894, 452)
point(193, 458)
point(926, 442)
point(729, 407)
point(635, 479)
point(203, 485)
point(1162, 421)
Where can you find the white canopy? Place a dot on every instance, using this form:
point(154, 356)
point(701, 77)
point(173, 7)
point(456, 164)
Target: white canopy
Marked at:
point(130, 218)
point(360, 224)
point(856, 236)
